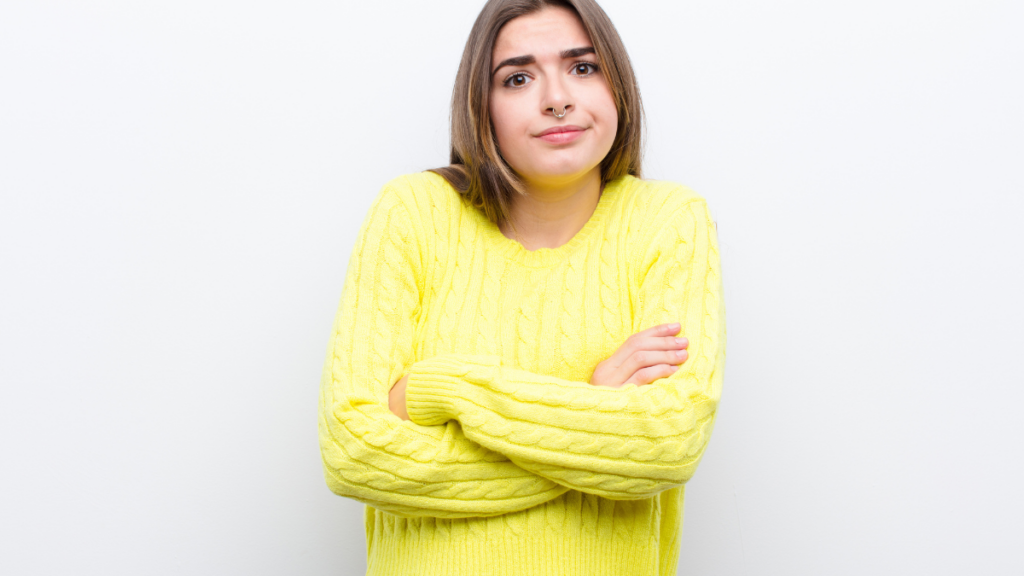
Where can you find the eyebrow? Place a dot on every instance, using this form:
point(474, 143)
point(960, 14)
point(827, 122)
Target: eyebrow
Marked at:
point(529, 59)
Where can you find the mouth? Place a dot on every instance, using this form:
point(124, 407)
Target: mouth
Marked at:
point(561, 134)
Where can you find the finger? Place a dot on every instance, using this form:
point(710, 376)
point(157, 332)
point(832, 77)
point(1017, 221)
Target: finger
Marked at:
point(628, 359)
point(661, 343)
point(647, 375)
point(646, 358)
point(630, 356)
point(654, 338)
point(659, 330)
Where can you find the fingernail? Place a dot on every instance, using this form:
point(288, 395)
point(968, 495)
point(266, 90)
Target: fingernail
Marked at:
point(680, 353)
point(674, 325)
point(681, 341)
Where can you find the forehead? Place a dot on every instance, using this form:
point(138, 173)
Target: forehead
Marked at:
point(547, 31)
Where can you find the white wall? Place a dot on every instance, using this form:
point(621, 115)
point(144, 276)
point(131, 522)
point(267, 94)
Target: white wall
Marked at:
point(182, 183)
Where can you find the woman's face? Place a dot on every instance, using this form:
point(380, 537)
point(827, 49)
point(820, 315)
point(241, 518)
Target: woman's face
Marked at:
point(552, 67)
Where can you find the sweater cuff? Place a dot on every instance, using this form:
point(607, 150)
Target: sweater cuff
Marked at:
point(433, 384)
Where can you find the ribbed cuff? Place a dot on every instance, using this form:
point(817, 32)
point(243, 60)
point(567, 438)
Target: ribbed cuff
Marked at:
point(433, 385)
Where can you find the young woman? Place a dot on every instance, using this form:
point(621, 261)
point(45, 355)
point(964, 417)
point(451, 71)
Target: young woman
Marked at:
point(525, 365)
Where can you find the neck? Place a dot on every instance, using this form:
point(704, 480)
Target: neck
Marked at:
point(550, 214)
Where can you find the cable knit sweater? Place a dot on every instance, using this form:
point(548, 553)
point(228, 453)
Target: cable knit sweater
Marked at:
point(512, 463)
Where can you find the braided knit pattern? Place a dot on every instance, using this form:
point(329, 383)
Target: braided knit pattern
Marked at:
point(628, 443)
point(368, 455)
point(507, 436)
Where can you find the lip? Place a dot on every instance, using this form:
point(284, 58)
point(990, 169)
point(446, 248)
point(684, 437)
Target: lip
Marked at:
point(561, 134)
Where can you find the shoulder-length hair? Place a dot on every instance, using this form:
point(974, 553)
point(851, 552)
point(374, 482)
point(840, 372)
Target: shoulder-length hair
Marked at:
point(478, 170)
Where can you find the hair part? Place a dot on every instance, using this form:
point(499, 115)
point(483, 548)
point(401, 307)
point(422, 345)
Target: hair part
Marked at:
point(477, 169)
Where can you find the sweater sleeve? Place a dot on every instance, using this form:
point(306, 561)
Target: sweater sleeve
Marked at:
point(368, 453)
point(627, 443)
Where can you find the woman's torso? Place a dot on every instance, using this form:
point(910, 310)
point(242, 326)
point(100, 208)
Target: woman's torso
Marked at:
point(553, 311)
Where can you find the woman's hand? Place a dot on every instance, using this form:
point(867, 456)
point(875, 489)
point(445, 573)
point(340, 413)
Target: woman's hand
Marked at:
point(643, 358)
point(396, 398)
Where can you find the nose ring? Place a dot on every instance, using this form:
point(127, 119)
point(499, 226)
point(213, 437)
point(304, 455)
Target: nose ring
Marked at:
point(562, 115)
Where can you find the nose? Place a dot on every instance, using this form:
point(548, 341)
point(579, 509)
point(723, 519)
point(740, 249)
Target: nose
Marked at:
point(557, 100)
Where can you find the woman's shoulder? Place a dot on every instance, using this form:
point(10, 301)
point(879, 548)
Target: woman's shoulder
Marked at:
point(422, 193)
point(648, 199)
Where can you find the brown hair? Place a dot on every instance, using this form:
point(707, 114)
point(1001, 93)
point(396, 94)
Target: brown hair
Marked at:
point(477, 170)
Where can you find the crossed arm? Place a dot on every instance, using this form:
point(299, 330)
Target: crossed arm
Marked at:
point(485, 439)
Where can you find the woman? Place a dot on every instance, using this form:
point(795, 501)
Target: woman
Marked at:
point(528, 354)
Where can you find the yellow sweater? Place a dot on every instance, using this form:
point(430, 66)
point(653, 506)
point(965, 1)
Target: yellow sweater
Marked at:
point(512, 464)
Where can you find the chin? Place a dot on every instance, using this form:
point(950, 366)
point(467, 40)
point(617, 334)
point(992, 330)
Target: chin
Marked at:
point(540, 174)
point(564, 169)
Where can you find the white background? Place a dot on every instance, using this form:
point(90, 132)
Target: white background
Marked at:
point(182, 183)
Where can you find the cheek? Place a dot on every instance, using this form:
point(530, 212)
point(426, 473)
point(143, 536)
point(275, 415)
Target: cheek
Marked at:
point(604, 109)
point(506, 126)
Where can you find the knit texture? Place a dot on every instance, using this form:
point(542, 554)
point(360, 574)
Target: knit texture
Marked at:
point(512, 463)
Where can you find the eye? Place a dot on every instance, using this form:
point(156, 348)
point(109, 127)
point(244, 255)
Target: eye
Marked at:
point(517, 80)
point(584, 68)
